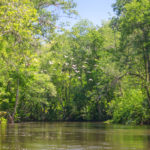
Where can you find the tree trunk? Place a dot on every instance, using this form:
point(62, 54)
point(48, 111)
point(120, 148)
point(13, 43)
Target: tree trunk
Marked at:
point(147, 72)
point(17, 100)
point(10, 119)
point(99, 111)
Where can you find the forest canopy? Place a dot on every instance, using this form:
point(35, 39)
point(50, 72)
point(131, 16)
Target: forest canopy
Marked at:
point(87, 73)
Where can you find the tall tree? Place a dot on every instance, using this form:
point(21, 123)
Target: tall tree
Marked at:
point(134, 27)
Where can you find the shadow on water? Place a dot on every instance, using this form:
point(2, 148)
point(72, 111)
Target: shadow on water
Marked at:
point(73, 136)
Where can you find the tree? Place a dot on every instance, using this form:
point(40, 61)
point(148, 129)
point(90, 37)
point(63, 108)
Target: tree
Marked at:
point(17, 19)
point(135, 43)
point(49, 12)
point(22, 24)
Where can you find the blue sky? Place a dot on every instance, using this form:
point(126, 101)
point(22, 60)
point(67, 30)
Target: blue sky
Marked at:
point(95, 10)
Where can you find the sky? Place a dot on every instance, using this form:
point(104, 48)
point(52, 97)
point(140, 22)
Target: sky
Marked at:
point(95, 10)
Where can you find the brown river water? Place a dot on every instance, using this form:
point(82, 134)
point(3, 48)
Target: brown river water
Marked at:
point(73, 136)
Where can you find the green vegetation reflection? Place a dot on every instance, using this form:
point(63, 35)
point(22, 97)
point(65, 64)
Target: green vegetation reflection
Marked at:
point(71, 135)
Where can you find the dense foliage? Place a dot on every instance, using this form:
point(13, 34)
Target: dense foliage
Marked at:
point(87, 73)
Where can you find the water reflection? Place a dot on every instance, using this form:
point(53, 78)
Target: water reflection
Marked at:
point(73, 136)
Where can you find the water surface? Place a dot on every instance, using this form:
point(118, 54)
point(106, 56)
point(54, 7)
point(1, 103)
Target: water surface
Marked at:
point(73, 136)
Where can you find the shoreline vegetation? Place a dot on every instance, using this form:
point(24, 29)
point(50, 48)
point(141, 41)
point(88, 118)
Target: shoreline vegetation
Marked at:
point(49, 73)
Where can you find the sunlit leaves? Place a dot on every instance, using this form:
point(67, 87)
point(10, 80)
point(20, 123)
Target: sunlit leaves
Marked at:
point(18, 18)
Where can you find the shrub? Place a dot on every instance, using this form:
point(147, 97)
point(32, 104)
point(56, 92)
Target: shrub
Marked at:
point(130, 108)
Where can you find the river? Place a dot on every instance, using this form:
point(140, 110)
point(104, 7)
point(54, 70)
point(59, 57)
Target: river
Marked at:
point(73, 136)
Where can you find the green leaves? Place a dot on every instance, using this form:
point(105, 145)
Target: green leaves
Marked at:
point(130, 109)
point(83, 74)
point(18, 18)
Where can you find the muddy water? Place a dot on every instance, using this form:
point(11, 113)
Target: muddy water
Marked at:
point(73, 136)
